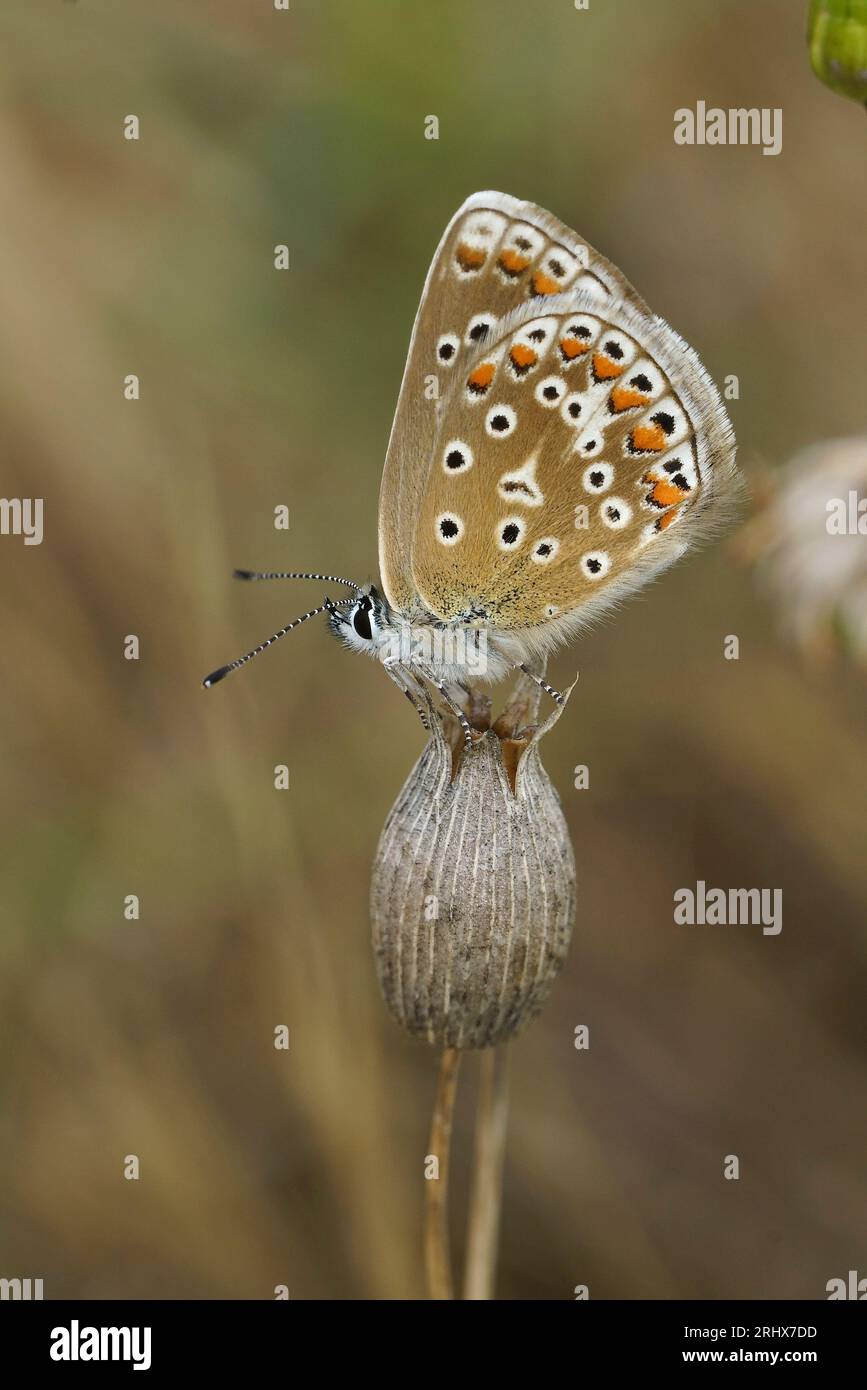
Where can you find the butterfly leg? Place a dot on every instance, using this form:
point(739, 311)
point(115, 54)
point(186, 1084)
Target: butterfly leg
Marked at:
point(401, 680)
point(453, 707)
point(543, 684)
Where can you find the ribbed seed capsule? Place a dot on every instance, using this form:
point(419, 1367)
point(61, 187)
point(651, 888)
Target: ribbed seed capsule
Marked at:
point(473, 889)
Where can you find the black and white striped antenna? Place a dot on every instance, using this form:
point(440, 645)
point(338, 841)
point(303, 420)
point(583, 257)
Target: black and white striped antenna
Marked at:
point(327, 607)
point(281, 574)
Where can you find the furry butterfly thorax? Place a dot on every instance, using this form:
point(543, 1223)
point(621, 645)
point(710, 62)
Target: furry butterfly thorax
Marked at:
point(555, 446)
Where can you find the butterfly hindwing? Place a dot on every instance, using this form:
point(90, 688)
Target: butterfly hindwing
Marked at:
point(580, 449)
point(496, 255)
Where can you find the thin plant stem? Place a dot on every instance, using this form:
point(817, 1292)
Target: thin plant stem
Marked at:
point(486, 1195)
point(436, 1232)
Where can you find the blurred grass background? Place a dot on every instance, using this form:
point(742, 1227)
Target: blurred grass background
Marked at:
point(154, 1037)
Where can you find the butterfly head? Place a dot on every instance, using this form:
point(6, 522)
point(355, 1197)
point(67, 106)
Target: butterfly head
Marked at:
point(362, 626)
point(367, 615)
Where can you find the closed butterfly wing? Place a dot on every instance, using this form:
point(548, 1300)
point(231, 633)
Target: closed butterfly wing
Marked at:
point(580, 451)
point(496, 255)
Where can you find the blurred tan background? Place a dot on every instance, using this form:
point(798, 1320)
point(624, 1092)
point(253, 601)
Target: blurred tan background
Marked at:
point(155, 1037)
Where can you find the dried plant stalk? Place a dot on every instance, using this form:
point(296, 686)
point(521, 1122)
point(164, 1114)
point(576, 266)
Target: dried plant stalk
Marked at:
point(436, 1235)
point(483, 1229)
point(472, 899)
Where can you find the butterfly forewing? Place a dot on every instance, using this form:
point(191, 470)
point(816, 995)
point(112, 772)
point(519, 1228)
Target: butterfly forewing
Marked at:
point(497, 255)
point(580, 449)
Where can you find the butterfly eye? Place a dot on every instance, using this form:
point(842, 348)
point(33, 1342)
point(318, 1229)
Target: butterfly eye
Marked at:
point(598, 477)
point(361, 620)
point(511, 533)
point(615, 513)
point(447, 348)
point(595, 564)
point(457, 457)
point(551, 391)
point(449, 528)
point(500, 421)
point(545, 551)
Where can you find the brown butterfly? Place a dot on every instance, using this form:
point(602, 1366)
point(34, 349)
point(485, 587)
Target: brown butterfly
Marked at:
point(556, 445)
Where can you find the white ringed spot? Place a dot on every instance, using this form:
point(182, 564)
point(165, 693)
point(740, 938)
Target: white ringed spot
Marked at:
point(478, 328)
point(449, 528)
point(510, 533)
point(457, 457)
point(500, 421)
point(571, 411)
point(595, 564)
point(615, 513)
point(550, 392)
point(598, 477)
point(589, 444)
point(545, 550)
point(447, 348)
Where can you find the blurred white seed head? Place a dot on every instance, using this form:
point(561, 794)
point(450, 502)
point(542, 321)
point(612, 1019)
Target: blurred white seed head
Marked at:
point(809, 545)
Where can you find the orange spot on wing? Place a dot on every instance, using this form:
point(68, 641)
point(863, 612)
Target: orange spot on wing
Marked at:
point(665, 494)
point(481, 378)
point(512, 262)
point(622, 398)
point(470, 257)
point(665, 521)
point(604, 369)
point(522, 356)
point(573, 347)
point(647, 439)
point(544, 284)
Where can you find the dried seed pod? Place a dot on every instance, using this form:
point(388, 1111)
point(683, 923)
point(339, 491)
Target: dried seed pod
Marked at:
point(473, 889)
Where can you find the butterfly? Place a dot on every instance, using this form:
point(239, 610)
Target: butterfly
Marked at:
point(556, 445)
